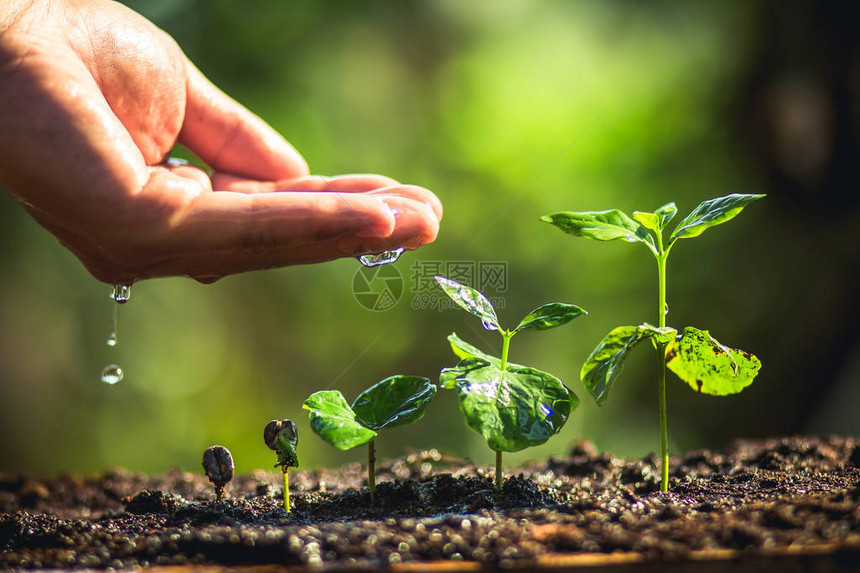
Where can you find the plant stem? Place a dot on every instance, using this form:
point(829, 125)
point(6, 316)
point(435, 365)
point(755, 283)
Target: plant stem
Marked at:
point(661, 366)
point(664, 426)
point(506, 341)
point(371, 467)
point(499, 469)
point(286, 489)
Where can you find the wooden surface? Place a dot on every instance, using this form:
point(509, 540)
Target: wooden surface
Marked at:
point(814, 559)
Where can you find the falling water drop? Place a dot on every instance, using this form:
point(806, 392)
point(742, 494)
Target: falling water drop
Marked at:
point(121, 293)
point(112, 338)
point(383, 258)
point(112, 374)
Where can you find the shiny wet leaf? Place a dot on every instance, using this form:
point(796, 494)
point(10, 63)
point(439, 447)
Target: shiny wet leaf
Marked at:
point(513, 409)
point(471, 301)
point(395, 401)
point(549, 316)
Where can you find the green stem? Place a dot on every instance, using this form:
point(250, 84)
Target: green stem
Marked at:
point(664, 426)
point(499, 469)
point(506, 342)
point(661, 367)
point(371, 467)
point(286, 489)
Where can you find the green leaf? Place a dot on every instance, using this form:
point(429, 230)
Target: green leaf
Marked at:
point(549, 316)
point(463, 350)
point(601, 226)
point(606, 361)
point(395, 401)
point(666, 213)
point(657, 220)
point(650, 221)
point(513, 409)
point(710, 213)
point(286, 444)
point(471, 301)
point(709, 366)
point(448, 376)
point(334, 421)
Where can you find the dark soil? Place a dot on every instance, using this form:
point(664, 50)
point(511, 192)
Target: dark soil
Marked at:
point(794, 498)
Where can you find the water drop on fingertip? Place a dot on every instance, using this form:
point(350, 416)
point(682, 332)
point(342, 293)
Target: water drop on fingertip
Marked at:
point(121, 293)
point(112, 374)
point(383, 258)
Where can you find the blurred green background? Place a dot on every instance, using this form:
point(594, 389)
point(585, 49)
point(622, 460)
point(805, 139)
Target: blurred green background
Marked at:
point(508, 110)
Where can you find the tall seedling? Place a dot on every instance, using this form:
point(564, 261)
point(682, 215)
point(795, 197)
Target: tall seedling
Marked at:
point(693, 355)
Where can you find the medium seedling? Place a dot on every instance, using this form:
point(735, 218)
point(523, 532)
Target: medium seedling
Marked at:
point(693, 355)
point(514, 407)
point(218, 465)
point(282, 437)
point(395, 401)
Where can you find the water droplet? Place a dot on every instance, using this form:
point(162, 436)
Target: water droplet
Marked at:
point(666, 308)
point(383, 258)
point(112, 374)
point(546, 410)
point(489, 325)
point(112, 338)
point(121, 293)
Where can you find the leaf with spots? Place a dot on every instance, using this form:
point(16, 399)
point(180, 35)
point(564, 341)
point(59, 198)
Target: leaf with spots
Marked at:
point(709, 366)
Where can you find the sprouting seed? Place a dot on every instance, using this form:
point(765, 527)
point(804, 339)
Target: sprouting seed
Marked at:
point(282, 437)
point(218, 465)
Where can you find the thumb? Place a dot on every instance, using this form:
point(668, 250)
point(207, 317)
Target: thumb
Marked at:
point(229, 138)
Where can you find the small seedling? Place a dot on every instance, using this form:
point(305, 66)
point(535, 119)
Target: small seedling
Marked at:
point(693, 355)
point(395, 401)
point(514, 407)
point(218, 465)
point(281, 436)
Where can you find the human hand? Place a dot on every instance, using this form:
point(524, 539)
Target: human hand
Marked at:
point(93, 98)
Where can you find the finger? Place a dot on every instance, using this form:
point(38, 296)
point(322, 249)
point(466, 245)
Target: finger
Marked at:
point(416, 225)
point(191, 172)
point(252, 223)
point(229, 138)
point(340, 184)
point(374, 184)
point(414, 193)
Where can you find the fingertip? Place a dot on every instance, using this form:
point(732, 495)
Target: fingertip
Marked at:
point(413, 193)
